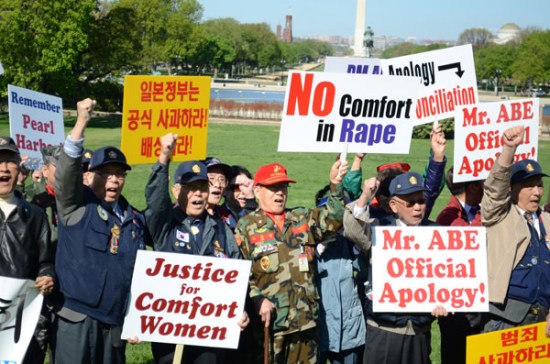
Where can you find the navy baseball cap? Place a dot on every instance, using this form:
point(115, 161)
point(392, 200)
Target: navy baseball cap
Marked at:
point(7, 143)
point(526, 169)
point(190, 171)
point(406, 183)
point(213, 162)
point(107, 155)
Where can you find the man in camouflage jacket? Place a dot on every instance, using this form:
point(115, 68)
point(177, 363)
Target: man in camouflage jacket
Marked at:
point(280, 242)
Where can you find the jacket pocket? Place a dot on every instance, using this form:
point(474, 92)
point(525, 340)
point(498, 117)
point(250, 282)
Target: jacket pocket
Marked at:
point(99, 237)
point(266, 258)
point(282, 304)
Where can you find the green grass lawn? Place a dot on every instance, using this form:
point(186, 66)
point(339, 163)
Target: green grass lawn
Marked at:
point(252, 146)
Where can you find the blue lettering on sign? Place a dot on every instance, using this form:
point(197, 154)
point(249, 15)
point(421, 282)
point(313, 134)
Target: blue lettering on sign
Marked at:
point(369, 134)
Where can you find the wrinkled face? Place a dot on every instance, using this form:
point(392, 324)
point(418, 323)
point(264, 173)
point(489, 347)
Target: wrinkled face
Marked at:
point(9, 171)
point(528, 193)
point(409, 208)
point(192, 198)
point(108, 181)
point(48, 171)
point(272, 198)
point(218, 183)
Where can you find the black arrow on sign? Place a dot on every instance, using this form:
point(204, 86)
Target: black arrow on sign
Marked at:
point(450, 66)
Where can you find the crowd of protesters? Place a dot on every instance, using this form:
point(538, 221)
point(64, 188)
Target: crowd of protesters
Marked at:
point(73, 232)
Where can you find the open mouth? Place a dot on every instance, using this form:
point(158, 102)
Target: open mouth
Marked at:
point(5, 179)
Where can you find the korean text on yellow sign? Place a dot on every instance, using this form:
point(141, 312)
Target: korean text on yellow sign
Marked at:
point(157, 105)
point(524, 344)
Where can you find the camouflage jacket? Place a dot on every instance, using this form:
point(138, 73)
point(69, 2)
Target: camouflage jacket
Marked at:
point(282, 263)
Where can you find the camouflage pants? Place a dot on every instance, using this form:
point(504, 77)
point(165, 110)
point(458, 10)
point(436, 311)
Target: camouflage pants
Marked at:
point(299, 347)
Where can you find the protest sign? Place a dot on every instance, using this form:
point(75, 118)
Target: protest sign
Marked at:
point(20, 305)
point(324, 110)
point(414, 269)
point(479, 131)
point(157, 105)
point(364, 66)
point(447, 76)
point(187, 299)
point(36, 120)
point(524, 344)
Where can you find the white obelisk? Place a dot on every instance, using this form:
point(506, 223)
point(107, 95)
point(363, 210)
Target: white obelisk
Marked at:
point(358, 49)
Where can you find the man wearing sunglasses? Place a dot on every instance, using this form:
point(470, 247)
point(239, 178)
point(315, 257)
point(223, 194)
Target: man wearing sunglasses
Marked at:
point(392, 337)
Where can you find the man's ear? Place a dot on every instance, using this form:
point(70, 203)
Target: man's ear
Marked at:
point(393, 205)
point(257, 192)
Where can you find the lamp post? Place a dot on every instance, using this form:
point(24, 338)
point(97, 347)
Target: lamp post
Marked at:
point(498, 72)
point(283, 72)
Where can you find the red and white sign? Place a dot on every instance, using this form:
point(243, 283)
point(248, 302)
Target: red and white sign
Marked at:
point(324, 111)
point(187, 299)
point(479, 131)
point(415, 269)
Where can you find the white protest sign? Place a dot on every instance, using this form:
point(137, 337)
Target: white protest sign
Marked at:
point(448, 79)
point(478, 135)
point(324, 110)
point(364, 66)
point(187, 299)
point(414, 269)
point(20, 305)
point(36, 120)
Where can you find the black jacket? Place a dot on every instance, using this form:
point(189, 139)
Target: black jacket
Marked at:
point(25, 247)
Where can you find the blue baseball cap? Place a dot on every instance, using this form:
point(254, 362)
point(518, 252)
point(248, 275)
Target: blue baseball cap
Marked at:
point(406, 183)
point(213, 162)
point(526, 169)
point(107, 155)
point(190, 171)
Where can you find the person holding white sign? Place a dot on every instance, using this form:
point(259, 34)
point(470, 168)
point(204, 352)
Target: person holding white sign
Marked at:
point(392, 337)
point(280, 243)
point(26, 250)
point(99, 236)
point(186, 228)
point(518, 247)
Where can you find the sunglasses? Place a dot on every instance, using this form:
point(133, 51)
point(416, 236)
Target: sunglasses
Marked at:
point(411, 203)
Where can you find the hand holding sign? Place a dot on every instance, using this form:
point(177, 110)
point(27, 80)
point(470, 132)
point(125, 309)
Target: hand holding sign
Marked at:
point(338, 171)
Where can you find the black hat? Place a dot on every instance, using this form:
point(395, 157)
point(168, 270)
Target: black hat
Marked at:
point(525, 169)
point(50, 154)
point(7, 143)
point(406, 183)
point(190, 171)
point(213, 162)
point(107, 155)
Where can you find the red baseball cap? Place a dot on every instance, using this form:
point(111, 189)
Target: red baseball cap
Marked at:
point(271, 174)
point(405, 167)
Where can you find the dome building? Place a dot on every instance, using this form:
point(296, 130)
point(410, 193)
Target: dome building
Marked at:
point(506, 33)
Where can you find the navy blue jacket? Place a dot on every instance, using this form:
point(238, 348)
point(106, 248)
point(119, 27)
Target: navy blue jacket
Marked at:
point(93, 280)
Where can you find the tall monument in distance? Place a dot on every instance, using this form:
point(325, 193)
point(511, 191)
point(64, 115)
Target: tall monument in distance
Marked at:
point(358, 48)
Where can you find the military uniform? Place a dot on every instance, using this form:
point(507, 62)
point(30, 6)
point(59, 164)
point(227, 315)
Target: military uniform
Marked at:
point(282, 271)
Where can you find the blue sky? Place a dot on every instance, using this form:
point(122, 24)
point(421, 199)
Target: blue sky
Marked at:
point(423, 19)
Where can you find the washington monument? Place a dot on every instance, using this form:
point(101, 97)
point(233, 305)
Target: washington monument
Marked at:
point(358, 47)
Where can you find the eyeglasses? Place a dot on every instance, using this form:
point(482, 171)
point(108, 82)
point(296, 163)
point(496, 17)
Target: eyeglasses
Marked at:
point(222, 181)
point(277, 187)
point(107, 174)
point(411, 203)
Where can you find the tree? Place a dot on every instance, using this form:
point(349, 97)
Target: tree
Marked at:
point(42, 41)
point(406, 48)
point(477, 37)
point(532, 65)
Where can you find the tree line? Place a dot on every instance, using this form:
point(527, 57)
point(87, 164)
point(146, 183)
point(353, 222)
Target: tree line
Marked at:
point(78, 48)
